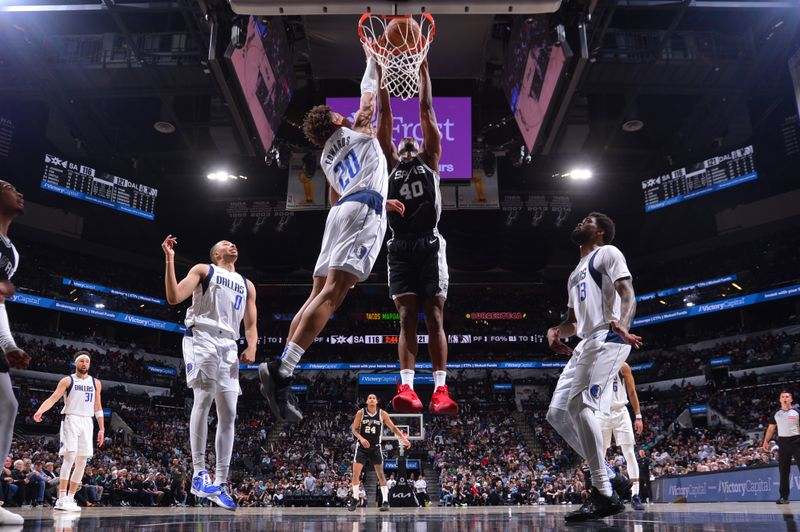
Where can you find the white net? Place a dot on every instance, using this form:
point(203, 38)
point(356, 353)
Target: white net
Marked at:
point(399, 64)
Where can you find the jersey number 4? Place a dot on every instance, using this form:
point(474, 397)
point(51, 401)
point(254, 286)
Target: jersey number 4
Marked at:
point(413, 191)
point(349, 166)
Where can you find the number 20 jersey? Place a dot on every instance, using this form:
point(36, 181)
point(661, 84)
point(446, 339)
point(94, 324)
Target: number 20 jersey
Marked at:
point(417, 186)
point(353, 162)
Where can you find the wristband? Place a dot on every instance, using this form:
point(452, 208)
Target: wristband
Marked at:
point(98, 414)
point(638, 416)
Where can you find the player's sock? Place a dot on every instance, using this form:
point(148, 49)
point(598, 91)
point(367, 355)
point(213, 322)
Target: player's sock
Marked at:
point(355, 491)
point(439, 378)
point(291, 356)
point(591, 440)
point(385, 493)
point(226, 417)
point(407, 377)
point(198, 427)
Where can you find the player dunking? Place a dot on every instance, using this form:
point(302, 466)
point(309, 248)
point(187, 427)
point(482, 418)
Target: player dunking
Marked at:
point(354, 231)
point(417, 260)
point(618, 423)
point(81, 394)
point(221, 300)
point(11, 356)
point(601, 309)
point(368, 429)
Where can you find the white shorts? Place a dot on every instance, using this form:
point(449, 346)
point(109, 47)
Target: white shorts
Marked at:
point(590, 370)
point(77, 435)
point(352, 241)
point(617, 423)
point(211, 360)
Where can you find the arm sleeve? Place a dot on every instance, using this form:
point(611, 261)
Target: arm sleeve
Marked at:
point(613, 264)
point(6, 340)
point(369, 83)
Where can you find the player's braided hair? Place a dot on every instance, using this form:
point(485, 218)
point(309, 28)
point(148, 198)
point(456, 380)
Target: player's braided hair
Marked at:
point(317, 125)
point(606, 224)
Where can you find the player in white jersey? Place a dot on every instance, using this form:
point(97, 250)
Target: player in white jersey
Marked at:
point(11, 356)
point(81, 394)
point(221, 300)
point(356, 172)
point(601, 309)
point(617, 423)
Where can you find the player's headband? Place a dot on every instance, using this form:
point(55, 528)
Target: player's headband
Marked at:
point(83, 354)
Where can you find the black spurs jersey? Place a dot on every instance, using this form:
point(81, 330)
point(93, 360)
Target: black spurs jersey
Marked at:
point(372, 427)
point(417, 187)
point(9, 259)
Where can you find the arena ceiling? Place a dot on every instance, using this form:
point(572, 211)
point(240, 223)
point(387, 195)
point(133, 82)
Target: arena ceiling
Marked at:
point(96, 75)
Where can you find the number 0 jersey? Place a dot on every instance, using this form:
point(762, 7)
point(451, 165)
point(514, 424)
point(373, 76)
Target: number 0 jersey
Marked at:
point(218, 302)
point(416, 185)
point(79, 399)
point(372, 427)
point(353, 162)
point(591, 289)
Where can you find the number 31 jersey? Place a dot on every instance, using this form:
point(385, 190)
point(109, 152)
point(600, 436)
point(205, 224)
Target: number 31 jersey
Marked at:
point(417, 187)
point(353, 162)
point(592, 294)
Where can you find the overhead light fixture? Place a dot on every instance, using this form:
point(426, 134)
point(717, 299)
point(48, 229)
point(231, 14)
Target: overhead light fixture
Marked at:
point(580, 174)
point(689, 304)
point(736, 286)
point(221, 175)
point(162, 126)
point(662, 301)
point(632, 126)
point(99, 305)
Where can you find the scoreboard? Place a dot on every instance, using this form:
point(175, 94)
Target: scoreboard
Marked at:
point(711, 175)
point(87, 184)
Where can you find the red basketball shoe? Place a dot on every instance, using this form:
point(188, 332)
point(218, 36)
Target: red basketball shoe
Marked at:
point(442, 404)
point(406, 400)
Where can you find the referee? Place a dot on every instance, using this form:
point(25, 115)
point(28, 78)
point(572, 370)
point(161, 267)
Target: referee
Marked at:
point(787, 419)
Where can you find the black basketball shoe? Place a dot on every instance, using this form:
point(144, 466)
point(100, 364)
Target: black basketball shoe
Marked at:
point(385, 506)
point(277, 391)
point(351, 504)
point(586, 512)
point(606, 506)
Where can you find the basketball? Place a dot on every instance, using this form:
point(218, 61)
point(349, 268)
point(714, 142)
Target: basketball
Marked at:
point(403, 34)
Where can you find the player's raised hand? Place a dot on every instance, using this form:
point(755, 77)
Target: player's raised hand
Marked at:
point(627, 337)
point(397, 206)
point(168, 244)
point(17, 358)
point(555, 343)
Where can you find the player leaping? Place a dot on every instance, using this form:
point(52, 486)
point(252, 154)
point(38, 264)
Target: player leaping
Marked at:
point(354, 231)
point(417, 260)
point(601, 310)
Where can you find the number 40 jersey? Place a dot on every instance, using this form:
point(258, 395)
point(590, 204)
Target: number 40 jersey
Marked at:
point(353, 162)
point(417, 186)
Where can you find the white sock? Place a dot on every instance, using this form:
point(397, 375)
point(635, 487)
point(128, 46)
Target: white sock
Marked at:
point(635, 488)
point(291, 356)
point(407, 377)
point(439, 378)
point(385, 493)
point(355, 491)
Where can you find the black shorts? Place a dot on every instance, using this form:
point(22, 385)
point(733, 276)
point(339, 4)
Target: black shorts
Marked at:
point(418, 266)
point(373, 455)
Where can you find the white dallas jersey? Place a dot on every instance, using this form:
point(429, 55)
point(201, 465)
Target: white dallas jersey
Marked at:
point(591, 289)
point(79, 399)
point(218, 302)
point(619, 396)
point(353, 162)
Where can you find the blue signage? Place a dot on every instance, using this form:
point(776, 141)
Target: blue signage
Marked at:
point(378, 366)
point(721, 361)
point(113, 291)
point(687, 287)
point(411, 465)
point(643, 366)
point(106, 412)
point(718, 306)
point(756, 484)
point(697, 410)
point(99, 313)
point(503, 387)
point(299, 388)
point(382, 379)
point(161, 370)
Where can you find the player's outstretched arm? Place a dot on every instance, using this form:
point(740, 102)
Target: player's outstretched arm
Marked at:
point(624, 288)
point(431, 136)
point(60, 390)
point(98, 412)
point(355, 429)
point(369, 87)
point(178, 292)
point(565, 329)
point(397, 432)
point(385, 124)
point(250, 325)
point(630, 387)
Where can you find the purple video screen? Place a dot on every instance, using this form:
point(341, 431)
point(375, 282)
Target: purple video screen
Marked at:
point(531, 74)
point(264, 71)
point(454, 117)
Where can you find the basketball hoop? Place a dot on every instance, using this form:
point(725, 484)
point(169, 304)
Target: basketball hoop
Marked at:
point(399, 64)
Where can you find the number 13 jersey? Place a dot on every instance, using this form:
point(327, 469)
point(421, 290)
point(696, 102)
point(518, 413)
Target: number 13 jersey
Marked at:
point(592, 294)
point(417, 186)
point(353, 162)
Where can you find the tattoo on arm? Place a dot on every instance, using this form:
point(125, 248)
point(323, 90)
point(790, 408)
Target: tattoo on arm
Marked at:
point(624, 288)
